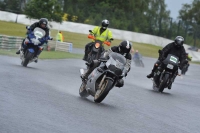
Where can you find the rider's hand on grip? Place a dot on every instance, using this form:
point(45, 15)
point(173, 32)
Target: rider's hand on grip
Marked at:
point(107, 43)
point(91, 36)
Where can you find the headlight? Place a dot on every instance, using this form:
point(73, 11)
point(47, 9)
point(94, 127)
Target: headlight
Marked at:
point(97, 45)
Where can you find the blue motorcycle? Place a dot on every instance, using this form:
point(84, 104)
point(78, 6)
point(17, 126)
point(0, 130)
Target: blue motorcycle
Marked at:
point(32, 45)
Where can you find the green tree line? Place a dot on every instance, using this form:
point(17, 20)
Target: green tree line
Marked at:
point(143, 16)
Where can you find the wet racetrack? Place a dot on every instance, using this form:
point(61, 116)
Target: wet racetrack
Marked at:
point(43, 98)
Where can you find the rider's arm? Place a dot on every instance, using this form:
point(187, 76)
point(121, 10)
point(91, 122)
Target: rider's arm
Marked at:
point(183, 57)
point(33, 26)
point(95, 30)
point(128, 64)
point(165, 51)
point(47, 32)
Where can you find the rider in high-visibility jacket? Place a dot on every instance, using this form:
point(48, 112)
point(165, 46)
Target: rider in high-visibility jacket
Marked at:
point(101, 34)
point(59, 37)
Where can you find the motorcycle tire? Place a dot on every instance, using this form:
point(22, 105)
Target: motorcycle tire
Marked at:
point(27, 58)
point(103, 91)
point(163, 83)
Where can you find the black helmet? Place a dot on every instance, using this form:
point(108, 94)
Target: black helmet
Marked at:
point(105, 23)
point(43, 21)
point(125, 47)
point(179, 40)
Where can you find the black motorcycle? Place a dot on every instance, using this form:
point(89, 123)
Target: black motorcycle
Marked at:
point(138, 62)
point(103, 78)
point(165, 73)
point(97, 49)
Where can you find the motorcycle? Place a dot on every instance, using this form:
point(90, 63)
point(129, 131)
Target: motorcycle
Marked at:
point(103, 78)
point(138, 62)
point(32, 42)
point(163, 76)
point(96, 49)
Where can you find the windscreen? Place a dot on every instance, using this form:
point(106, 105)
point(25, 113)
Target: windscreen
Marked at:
point(39, 33)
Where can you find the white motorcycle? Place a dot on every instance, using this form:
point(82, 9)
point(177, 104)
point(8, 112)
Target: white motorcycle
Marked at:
point(103, 78)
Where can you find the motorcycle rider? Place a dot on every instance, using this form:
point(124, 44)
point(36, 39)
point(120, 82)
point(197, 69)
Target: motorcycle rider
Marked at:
point(43, 24)
point(137, 55)
point(175, 48)
point(123, 49)
point(101, 33)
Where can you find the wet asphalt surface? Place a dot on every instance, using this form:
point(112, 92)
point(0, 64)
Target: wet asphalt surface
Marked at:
point(44, 98)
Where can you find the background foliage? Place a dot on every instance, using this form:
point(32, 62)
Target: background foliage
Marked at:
point(144, 16)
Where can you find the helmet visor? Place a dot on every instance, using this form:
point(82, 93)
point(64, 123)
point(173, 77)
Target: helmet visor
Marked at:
point(104, 25)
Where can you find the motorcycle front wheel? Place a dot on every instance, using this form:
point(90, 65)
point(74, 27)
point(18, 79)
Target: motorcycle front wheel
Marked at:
point(27, 58)
point(163, 83)
point(103, 91)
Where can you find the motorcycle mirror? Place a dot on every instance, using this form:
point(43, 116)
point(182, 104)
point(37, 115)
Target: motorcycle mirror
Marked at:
point(90, 31)
point(27, 27)
point(159, 51)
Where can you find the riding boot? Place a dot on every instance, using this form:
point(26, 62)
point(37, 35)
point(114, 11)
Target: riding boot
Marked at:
point(85, 56)
point(91, 67)
point(20, 48)
point(170, 86)
point(152, 72)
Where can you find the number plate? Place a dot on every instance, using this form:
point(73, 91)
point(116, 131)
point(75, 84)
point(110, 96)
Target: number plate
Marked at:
point(170, 66)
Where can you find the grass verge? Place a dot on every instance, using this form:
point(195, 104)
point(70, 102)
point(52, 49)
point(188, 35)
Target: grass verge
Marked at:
point(46, 54)
point(195, 62)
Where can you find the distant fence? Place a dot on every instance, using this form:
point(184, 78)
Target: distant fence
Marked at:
point(64, 46)
point(11, 42)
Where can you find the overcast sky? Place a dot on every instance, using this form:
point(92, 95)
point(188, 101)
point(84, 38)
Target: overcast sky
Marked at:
point(175, 5)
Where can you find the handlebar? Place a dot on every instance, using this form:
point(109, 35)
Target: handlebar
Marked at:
point(105, 42)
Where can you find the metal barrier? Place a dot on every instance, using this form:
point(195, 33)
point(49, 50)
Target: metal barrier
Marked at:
point(64, 46)
point(10, 42)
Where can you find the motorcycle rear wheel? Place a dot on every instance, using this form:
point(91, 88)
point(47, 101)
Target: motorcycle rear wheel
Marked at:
point(83, 91)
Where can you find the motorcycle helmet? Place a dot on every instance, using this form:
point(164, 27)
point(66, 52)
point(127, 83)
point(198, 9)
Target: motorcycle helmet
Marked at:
point(179, 40)
point(43, 22)
point(105, 24)
point(125, 47)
